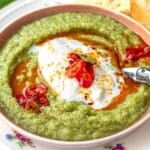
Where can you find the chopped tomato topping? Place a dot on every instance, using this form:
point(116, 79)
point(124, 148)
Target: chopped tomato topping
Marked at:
point(31, 105)
point(21, 100)
point(85, 80)
point(81, 70)
point(30, 93)
point(74, 56)
point(35, 91)
point(33, 97)
point(90, 69)
point(138, 52)
point(75, 68)
point(44, 101)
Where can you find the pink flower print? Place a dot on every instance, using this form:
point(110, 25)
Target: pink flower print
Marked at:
point(118, 147)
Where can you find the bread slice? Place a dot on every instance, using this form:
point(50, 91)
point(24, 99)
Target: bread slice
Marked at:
point(140, 10)
point(117, 5)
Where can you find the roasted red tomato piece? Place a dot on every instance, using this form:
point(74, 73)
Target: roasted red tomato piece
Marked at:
point(30, 92)
point(73, 56)
point(43, 101)
point(41, 90)
point(138, 52)
point(21, 99)
point(81, 70)
point(75, 68)
point(33, 97)
point(35, 91)
point(85, 80)
point(90, 69)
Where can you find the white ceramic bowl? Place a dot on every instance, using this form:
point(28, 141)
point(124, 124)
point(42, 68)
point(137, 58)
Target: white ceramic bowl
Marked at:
point(10, 29)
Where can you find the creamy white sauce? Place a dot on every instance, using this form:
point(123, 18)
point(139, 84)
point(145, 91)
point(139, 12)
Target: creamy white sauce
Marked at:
point(53, 61)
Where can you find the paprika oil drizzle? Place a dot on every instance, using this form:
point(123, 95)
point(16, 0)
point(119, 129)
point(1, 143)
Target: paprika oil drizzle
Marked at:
point(30, 96)
point(21, 69)
point(128, 87)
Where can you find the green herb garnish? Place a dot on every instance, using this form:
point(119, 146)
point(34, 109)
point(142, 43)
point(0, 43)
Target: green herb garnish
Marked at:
point(5, 2)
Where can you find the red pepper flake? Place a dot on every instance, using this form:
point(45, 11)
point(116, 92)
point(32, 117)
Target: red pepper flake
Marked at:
point(81, 70)
point(75, 68)
point(138, 52)
point(33, 97)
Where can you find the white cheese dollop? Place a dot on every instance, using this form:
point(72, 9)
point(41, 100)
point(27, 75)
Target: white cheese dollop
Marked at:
point(53, 61)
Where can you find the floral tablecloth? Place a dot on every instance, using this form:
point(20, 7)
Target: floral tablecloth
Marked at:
point(11, 140)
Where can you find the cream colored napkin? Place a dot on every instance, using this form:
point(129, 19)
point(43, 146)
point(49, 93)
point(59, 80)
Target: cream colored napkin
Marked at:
point(138, 9)
point(117, 5)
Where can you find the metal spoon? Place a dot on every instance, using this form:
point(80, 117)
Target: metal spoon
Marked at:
point(138, 74)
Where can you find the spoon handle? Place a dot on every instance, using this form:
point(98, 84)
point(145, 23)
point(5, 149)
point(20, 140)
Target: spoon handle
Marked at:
point(139, 74)
point(143, 75)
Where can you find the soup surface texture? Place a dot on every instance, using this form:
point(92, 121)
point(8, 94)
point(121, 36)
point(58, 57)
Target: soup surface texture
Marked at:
point(61, 77)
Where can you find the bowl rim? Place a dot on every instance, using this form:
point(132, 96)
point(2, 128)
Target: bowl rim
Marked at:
point(112, 137)
point(78, 8)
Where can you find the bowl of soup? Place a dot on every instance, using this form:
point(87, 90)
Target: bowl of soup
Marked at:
point(61, 79)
